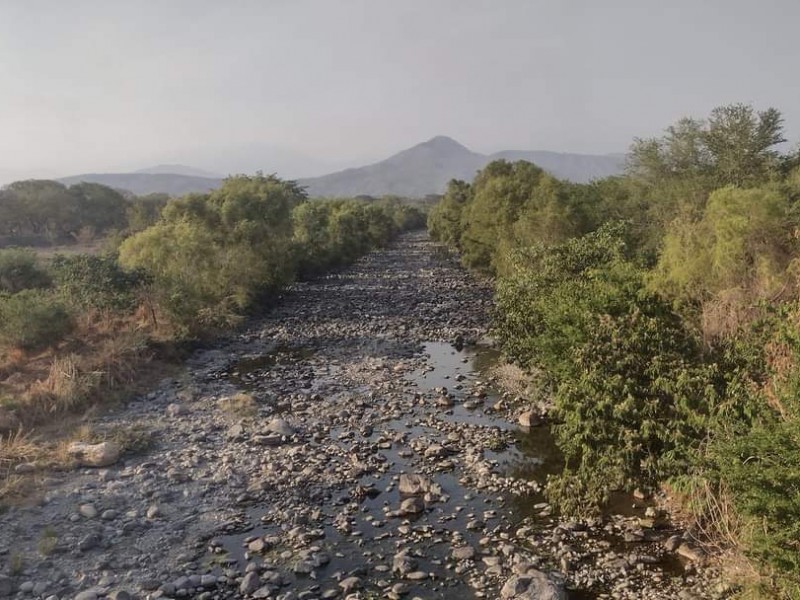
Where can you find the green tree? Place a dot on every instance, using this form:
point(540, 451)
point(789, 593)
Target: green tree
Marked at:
point(499, 193)
point(99, 207)
point(742, 143)
point(445, 221)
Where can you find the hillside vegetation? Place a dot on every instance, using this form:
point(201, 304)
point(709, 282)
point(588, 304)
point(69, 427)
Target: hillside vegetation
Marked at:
point(659, 312)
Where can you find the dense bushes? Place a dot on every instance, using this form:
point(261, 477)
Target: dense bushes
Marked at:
point(33, 319)
point(211, 258)
point(95, 283)
point(20, 270)
point(670, 345)
point(200, 262)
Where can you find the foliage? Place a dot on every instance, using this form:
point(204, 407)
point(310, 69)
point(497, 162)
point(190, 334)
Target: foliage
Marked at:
point(213, 257)
point(57, 213)
point(32, 320)
point(145, 211)
point(445, 219)
point(549, 301)
point(734, 146)
point(499, 193)
point(95, 282)
point(20, 270)
point(670, 345)
point(744, 239)
point(638, 408)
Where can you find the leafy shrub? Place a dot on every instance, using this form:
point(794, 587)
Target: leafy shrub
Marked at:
point(33, 319)
point(637, 410)
point(762, 472)
point(549, 303)
point(95, 282)
point(20, 270)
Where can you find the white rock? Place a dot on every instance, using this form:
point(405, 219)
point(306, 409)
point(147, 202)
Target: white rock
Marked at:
point(94, 455)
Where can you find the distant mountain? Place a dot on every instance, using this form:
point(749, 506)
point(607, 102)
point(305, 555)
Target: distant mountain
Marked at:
point(142, 184)
point(416, 172)
point(423, 169)
point(179, 170)
point(426, 168)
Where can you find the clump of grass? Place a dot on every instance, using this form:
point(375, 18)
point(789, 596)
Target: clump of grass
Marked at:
point(16, 563)
point(133, 439)
point(240, 405)
point(47, 541)
point(512, 379)
point(17, 447)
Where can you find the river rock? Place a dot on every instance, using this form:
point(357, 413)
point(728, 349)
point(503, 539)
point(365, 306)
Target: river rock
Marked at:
point(414, 485)
point(529, 418)
point(280, 426)
point(6, 586)
point(350, 584)
point(103, 454)
point(534, 585)
point(250, 583)
point(464, 553)
point(177, 410)
point(402, 564)
point(412, 506)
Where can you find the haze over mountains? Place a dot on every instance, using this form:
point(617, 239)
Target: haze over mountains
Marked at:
point(415, 172)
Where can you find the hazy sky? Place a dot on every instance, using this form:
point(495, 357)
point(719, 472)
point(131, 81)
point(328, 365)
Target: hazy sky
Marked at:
point(304, 86)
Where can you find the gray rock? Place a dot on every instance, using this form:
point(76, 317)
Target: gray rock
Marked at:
point(412, 506)
point(86, 595)
point(414, 484)
point(534, 585)
point(402, 563)
point(250, 583)
point(280, 426)
point(89, 542)
point(350, 584)
point(529, 418)
point(464, 553)
point(103, 454)
point(177, 410)
point(88, 511)
point(6, 586)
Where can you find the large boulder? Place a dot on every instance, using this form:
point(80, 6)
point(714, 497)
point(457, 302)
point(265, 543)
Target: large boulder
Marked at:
point(103, 454)
point(534, 585)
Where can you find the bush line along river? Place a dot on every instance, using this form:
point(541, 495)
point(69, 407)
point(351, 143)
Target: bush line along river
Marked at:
point(340, 447)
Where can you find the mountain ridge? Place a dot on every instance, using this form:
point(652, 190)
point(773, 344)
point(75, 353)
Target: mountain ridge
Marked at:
point(415, 172)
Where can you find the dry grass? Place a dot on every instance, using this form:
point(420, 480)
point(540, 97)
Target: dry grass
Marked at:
point(240, 405)
point(49, 395)
point(727, 313)
point(512, 379)
point(17, 448)
point(708, 512)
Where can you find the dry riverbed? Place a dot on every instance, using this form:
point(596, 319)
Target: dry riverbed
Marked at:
point(340, 448)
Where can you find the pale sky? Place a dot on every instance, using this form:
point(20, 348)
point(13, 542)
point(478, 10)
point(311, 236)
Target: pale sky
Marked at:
point(302, 87)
